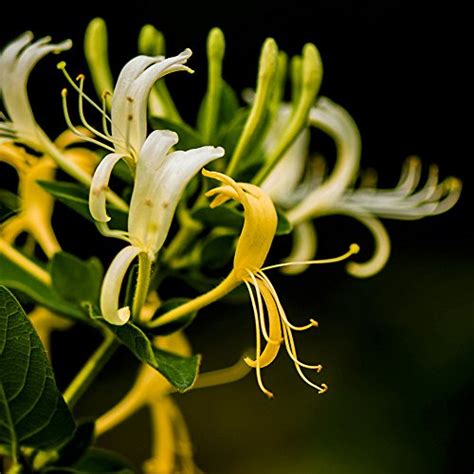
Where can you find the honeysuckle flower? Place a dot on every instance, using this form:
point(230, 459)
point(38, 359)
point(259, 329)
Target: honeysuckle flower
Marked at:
point(36, 205)
point(317, 195)
point(128, 112)
point(160, 180)
point(252, 248)
point(16, 63)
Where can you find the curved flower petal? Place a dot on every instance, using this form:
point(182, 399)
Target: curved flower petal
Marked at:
point(109, 296)
point(18, 62)
point(381, 252)
point(130, 98)
point(336, 122)
point(100, 186)
point(160, 181)
point(288, 172)
point(304, 248)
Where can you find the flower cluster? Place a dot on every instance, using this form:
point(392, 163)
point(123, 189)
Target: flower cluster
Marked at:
point(144, 176)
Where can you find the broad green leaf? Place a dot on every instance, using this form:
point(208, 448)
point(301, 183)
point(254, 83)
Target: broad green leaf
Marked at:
point(177, 325)
point(188, 137)
point(33, 412)
point(218, 250)
point(76, 197)
point(223, 216)
point(74, 279)
point(180, 371)
point(96, 460)
point(15, 277)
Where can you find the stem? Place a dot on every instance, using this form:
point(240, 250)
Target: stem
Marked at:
point(143, 283)
point(224, 288)
point(25, 263)
point(80, 175)
point(91, 369)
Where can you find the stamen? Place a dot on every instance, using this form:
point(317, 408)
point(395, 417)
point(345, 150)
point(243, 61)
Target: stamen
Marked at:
point(258, 349)
point(81, 78)
point(261, 311)
point(75, 130)
point(353, 249)
point(288, 336)
point(281, 310)
point(320, 388)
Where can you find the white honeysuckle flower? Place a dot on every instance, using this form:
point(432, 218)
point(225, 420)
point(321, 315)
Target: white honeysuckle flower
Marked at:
point(317, 196)
point(130, 98)
point(160, 180)
point(128, 112)
point(289, 171)
point(16, 63)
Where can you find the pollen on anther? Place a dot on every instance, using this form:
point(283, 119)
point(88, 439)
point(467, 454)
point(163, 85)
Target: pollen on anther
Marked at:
point(314, 322)
point(64, 92)
point(323, 389)
point(80, 77)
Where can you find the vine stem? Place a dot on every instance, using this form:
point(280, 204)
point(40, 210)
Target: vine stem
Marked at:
point(91, 369)
point(143, 283)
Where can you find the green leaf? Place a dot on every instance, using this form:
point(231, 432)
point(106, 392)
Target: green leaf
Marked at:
point(284, 226)
point(33, 412)
point(177, 325)
point(180, 371)
point(229, 133)
point(96, 460)
point(218, 250)
point(15, 277)
point(9, 200)
point(229, 104)
point(228, 107)
point(188, 137)
point(74, 279)
point(222, 216)
point(76, 197)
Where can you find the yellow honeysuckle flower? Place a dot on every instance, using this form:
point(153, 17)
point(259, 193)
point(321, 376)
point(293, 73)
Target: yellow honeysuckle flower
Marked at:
point(252, 248)
point(36, 204)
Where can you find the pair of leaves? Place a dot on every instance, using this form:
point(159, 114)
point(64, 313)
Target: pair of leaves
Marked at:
point(33, 413)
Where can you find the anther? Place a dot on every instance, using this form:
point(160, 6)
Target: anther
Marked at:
point(314, 323)
point(323, 389)
point(64, 92)
point(354, 248)
point(80, 77)
point(318, 368)
point(61, 65)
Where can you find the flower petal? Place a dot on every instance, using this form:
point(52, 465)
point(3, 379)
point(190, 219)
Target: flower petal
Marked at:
point(100, 186)
point(129, 103)
point(109, 297)
point(159, 184)
point(303, 249)
point(336, 122)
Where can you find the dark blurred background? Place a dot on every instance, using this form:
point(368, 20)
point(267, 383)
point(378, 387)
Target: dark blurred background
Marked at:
point(397, 348)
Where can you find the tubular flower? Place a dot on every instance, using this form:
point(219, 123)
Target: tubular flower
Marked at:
point(36, 205)
point(271, 321)
point(16, 63)
point(160, 180)
point(128, 112)
point(316, 195)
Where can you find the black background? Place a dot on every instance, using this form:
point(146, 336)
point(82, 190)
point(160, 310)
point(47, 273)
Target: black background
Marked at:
point(397, 347)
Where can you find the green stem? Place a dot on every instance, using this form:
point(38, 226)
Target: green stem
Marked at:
point(91, 369)
point(221, 290)
point(143, 283)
